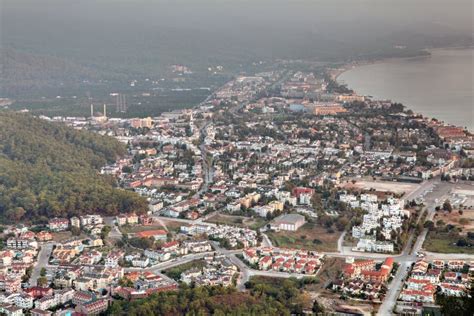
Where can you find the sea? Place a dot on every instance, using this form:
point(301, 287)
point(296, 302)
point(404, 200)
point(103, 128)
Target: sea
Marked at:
point(439, 86)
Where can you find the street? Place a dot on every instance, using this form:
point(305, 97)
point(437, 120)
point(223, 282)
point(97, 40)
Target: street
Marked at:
point(41, 262)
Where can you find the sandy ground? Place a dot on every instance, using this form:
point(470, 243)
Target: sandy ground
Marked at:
point(385, 186)
point(454, 217)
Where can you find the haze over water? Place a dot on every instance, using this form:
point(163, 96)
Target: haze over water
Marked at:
point(439, 86)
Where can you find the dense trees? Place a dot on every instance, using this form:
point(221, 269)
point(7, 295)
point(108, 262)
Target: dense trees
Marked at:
point(265, 296)
point(206, 300)
point(457, 306)
point(49, 170)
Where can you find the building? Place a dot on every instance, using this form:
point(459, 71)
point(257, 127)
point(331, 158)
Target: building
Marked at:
point(58, 224)
point(75, 222)
point(157, 234)
point(290, 222)
point(93, 308)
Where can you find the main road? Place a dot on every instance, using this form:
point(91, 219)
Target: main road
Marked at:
point(434, 192)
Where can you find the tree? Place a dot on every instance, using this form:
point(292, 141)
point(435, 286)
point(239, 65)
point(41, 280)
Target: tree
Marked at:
point(42, 281)
point(105, 231)
point(43, 272)
point(75, 231)
point(447, 206)
point(317, 308)
point(429, 224)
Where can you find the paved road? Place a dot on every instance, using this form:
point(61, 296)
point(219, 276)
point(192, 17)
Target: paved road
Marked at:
point(394, 290)
point(440, 191)
point(266, 242)
point(41, 262)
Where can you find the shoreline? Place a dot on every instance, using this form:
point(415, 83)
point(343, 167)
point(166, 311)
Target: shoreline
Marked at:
point(335, 73)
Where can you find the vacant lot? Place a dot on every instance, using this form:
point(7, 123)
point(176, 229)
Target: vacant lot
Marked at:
point(241, 221)
point(384, 186)
point(168, 225)
point(444, 243)
point(175, 273)
point(465, 221)
point(64, 235)
point(310, 236)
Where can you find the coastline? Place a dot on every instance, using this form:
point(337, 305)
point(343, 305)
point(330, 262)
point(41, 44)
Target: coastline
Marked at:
point(335, 73)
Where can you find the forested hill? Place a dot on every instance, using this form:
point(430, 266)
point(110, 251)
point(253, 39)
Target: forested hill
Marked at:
point(49, 169)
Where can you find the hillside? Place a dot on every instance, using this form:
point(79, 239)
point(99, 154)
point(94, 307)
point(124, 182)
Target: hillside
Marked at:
point(51, 170)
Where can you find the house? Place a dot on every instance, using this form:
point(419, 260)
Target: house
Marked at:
point(24, 301)
point(417, 296)
point(455, 264)
point(157, 234)
point(91, 219)
point(265, 263)
point(58, 224)
point(20, 243)
point(453, 289)
point(44, 236)
point(290, 222)
point(46, 302)
point(38, 291)
point(113, 258)
point(40, 312)
point(10, 310)
point(250, 255)
point(81, 297)
point(170, 246)
point(303, 195)
point(93, 308)
point(75, 222)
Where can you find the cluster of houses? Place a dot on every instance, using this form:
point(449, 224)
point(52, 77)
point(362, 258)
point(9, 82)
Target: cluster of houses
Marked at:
point(284, 260)
point(142, 284)
point(167, 251)
point(218, 270)
point(387, 218)
point(39, 301)
point(91, 222)
point(364, 279)
point(450, 278)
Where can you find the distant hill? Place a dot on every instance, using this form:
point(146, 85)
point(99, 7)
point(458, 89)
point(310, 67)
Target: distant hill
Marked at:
point(49, 170)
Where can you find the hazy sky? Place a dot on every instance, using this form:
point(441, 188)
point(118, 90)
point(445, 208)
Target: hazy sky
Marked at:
point(236, 29)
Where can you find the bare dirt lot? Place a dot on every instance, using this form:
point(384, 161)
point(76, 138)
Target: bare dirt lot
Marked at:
point(241, 221)
point(385, 186)
point(464, 221)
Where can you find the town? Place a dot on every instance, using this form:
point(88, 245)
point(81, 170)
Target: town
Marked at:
point(282, 174)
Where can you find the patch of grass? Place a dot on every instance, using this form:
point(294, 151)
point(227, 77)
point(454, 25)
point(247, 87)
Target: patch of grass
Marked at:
point(444, 243)
point(310, 237)
point(175, 272)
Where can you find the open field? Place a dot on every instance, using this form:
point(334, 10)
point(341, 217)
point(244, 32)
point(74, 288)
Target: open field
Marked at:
point(241, 221)
point(175, 272)
point(170, 226)
point(310, 236)
point(385, 186)
point(64, 235)
point(464, 221)
point(444, 243)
